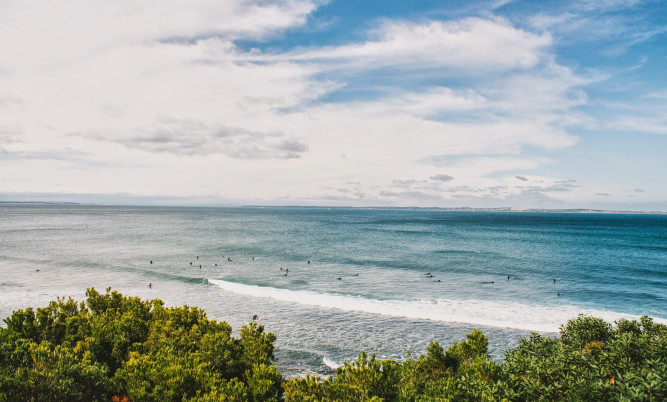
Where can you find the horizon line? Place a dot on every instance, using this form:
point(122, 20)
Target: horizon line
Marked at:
point(377, 207)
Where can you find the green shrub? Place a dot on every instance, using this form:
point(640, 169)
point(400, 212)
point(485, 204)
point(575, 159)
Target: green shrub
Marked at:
point(125, 347)
point(112, 347)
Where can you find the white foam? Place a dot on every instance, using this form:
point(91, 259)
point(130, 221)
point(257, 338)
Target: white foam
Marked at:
point(330, 363)
point(516, 315)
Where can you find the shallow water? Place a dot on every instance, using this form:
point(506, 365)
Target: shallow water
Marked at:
point(366, 286)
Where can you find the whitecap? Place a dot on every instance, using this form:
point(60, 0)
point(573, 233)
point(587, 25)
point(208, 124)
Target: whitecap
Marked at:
point(500, 314)
point(330, 363)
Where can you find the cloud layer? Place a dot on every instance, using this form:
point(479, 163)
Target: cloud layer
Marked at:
point(407, 112)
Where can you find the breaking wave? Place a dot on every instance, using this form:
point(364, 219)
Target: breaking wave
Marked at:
point(529, 317)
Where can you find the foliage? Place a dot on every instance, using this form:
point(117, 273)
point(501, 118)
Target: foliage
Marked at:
point(461, 373)
point(112, 347)
point(124, 348)
point(591, 361)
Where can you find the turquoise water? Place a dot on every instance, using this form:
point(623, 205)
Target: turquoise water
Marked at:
point(386, 281)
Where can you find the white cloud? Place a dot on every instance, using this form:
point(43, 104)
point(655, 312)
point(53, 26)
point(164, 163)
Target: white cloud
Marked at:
point(648, 124)
point(157, 98)
point(606, 4)
point(433, 101)
point(68, 31)
point(657, 94)
point(645, 114)
point(473, 44)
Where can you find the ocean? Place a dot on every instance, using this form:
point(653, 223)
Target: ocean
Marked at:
point(330, 282)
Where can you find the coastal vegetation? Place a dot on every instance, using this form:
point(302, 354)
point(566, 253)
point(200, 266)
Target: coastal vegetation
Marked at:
point(112, 347)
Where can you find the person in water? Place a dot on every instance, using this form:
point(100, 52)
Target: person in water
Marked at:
point(150, 285)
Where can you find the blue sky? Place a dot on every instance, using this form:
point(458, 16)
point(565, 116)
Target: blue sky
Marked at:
point(523, 104)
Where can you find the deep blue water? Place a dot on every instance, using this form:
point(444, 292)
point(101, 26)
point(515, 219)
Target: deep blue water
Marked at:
point(366, 286)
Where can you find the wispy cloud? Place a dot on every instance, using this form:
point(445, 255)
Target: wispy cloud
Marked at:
point(198, 138)
point(473, 44)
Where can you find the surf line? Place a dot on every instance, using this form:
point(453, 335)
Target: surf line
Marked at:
point(473, 312)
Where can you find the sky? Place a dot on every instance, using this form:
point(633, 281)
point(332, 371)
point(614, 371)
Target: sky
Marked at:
point(482, 103)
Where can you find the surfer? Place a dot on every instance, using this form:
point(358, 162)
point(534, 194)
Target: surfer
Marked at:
point(308, 261)
point(255, 317)
point(508, 277)
point(229, 258)
point(150, 286)
point(151, 261)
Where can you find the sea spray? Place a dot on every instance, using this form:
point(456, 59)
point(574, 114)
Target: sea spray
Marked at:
point(330, 363)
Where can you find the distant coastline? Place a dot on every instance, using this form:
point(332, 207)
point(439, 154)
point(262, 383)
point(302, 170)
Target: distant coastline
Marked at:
point(471, 209)
point(386, 208)
point(43, 202)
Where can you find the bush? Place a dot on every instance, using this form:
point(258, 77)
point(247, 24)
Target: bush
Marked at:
point(119, 347)
point(112, 347)
point(591, 361)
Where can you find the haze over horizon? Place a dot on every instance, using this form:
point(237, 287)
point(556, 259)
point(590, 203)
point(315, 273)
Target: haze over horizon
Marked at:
point(335, 103)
